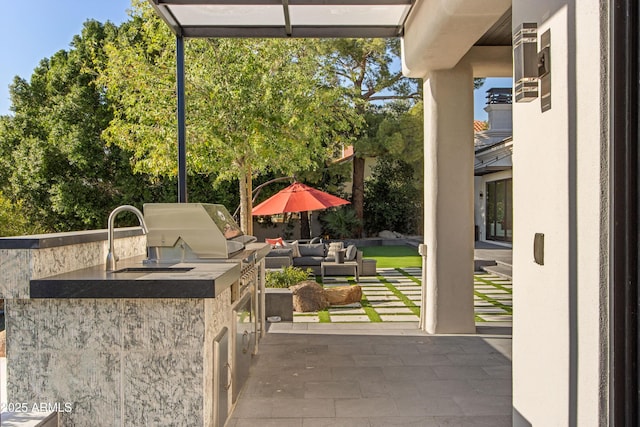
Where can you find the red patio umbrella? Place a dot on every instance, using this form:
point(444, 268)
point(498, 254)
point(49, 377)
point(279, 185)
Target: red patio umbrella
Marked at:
point(297, 198)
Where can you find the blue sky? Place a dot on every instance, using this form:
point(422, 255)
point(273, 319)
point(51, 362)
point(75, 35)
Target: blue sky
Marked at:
point(479, 95)
point(32, 30)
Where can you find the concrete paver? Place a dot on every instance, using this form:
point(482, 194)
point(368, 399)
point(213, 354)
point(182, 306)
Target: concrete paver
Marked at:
point(394, 294)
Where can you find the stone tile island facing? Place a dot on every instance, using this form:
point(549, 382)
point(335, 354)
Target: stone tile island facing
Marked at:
point(133, 347)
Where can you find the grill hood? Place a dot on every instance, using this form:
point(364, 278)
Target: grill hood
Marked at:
point(191, 232)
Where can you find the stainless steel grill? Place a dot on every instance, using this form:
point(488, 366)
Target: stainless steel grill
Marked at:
point(191, 232)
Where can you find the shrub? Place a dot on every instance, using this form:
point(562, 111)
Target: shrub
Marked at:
point(391, 199)
point(340, 223)
point(286, 277)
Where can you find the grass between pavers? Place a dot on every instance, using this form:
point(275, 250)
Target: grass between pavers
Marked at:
point(413, 278)
point(325, 317)
point(479, 278)
point(402, 297)
point(369, 310)
point(494, 301)
point(397, 256)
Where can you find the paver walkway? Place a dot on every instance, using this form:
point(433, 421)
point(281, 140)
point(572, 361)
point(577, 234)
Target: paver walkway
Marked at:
point(393, 295)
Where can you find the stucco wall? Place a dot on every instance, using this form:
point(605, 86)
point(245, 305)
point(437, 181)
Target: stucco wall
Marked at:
point(560, 189)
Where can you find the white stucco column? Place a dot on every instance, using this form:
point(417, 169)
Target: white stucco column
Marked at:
point(448, 200)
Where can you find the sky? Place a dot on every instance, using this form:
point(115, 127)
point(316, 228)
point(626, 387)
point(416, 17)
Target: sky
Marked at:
point(32, 30)
point(479, 95)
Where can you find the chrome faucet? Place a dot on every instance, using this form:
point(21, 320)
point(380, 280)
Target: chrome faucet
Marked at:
point(112, 259)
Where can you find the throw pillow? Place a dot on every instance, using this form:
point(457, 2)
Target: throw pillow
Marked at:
point(336, 246)
point(294, 248)
point(333, 248)
point(352, 251)
point(275, 243)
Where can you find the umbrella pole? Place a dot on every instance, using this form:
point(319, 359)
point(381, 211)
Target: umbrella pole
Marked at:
point(305, 226)
point(249, 202)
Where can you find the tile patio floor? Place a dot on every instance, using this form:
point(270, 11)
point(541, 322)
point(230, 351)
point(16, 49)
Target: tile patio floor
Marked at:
point(339, 368)
point(377, 375)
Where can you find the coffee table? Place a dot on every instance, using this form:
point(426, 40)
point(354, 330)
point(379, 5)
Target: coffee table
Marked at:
point(351, 265)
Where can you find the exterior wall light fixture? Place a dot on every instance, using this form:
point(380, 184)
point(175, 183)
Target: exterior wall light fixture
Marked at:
point(525, 62)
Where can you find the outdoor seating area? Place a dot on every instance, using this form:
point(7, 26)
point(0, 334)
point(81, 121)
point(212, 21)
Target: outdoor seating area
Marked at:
point(337, 256)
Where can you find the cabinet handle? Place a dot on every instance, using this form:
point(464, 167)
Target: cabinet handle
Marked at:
point(245, 343)
point(228, 386)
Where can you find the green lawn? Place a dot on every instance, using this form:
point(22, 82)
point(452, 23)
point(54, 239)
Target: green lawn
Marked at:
point(393, 256)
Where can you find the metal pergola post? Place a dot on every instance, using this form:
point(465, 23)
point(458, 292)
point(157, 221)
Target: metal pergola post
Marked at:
point(182, 144)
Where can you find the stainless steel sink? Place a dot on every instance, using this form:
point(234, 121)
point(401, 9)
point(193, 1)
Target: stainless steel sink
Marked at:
point(154, 270)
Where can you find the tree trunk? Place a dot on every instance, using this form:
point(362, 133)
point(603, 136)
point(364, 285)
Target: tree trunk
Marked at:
point(249, 201)
point(246, 206)
point(305, 229)
point(357, 190)
point(243, 203)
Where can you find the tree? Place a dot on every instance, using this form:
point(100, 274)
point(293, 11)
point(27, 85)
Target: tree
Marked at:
point(252, 105)
point(13, 221)
point(62, 175)
point(369, 68)
point(392, 201)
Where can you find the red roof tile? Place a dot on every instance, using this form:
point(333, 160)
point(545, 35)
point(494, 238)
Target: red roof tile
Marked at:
point(479, 126)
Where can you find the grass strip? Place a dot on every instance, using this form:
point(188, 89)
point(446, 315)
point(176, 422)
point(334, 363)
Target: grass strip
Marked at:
point(489, 282)
point(410, 276)
point(493, 301)
point(324, 316)
point(374, 317)
point(402, 297)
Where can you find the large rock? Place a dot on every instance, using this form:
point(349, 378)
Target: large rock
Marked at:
point(308, 296)
point(343, 295)
point(386, 234)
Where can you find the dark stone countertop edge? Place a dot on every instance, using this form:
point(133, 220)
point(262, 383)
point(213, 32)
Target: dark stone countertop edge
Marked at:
point(125, 289)
point(204, 280)
point(52, 240)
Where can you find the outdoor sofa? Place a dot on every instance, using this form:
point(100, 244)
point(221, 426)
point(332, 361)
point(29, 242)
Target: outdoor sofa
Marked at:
point(311, 255)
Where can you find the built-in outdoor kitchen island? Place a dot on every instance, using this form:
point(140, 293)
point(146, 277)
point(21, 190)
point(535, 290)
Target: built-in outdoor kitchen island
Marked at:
point(161, 334)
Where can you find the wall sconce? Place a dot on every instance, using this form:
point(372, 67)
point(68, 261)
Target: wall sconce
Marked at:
point(525, 62)
point(481, 195)
point(544, 71)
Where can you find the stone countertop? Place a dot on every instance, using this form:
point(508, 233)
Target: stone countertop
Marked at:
point(133, 279)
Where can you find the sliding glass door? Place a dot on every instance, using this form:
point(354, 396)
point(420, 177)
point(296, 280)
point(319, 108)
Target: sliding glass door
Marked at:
point(499, 210)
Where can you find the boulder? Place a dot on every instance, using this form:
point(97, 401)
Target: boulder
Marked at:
point(343, 295)
point(386, 234)
point(308, 296)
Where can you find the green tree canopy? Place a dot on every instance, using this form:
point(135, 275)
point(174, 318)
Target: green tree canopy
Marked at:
point(252, 105)
point(392, 200)
point(370, 71)
point(62, 174)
